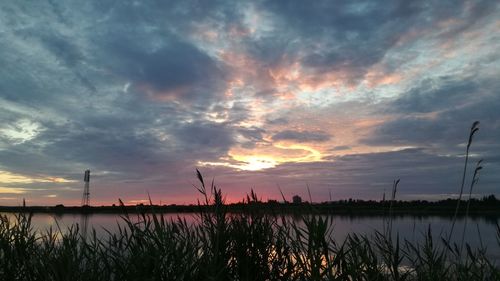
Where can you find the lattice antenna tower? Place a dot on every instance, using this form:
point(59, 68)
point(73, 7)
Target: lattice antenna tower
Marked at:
point(86, 191)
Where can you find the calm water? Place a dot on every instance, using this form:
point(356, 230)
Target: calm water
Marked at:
point(479, 230)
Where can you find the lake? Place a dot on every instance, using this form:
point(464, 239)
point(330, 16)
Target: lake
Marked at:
point(479, 230)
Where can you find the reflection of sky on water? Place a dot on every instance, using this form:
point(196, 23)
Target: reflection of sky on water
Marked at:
point(479, 231)
point(413, 229)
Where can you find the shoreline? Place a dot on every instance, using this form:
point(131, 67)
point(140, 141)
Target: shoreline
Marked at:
point(444, 208)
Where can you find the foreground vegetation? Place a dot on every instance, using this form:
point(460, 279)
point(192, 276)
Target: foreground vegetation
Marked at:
point(247, 246)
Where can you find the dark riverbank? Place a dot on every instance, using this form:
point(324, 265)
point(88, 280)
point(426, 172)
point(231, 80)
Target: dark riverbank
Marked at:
point(487, 207)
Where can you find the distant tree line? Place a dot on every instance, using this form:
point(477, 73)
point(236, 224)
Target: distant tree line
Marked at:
point(485, 206)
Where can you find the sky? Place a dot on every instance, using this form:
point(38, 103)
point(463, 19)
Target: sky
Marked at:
point(340, 96)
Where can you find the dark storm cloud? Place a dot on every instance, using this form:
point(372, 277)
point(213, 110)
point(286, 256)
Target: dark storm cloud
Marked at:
point(178, 69)
point(109, 148)
point(454, 104)
point(411, 131)
point(24, 159)
point(212, 138)
point(439, 94)
point(302, 136)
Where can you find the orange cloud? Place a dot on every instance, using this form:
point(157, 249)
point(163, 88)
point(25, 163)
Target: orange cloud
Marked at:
point(377, 77)
point(8, 177)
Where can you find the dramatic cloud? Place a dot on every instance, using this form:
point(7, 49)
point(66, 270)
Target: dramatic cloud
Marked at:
point(341, 95)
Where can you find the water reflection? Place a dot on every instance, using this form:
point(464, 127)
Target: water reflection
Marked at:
point(84, 223)
point(480, 231)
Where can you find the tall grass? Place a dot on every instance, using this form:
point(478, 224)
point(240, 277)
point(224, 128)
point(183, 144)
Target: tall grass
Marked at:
point(473, 130)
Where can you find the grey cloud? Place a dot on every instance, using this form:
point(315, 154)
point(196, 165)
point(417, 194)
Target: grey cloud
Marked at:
point(412, 131)
point(438, 94)
point(302, 136)
point(118, 40)
point(253, 133)
point(178, 66)
point(62, 48)
point(212, 138)
point(236, 113)
point(182, 14)
point(66, 53)
point(352, 36)
point(252, 136)
point(455, 105)
point(277, 121)
point(471, 14)
point(340, 147)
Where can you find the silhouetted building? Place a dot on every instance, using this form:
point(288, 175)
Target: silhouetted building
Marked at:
point(296, 199)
